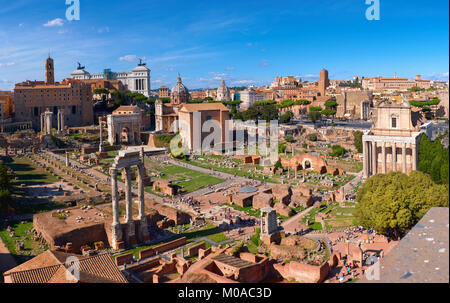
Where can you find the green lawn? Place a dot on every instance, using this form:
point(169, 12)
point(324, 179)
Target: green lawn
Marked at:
point(29, 174)
point(210, 231)
point(189, 180)
point(249, 210)
point(31, 248)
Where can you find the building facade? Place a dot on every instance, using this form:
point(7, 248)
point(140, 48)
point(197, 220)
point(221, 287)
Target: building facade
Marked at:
point(136, 81)
point(402, 84)
point(33, 98)
point(392, 143)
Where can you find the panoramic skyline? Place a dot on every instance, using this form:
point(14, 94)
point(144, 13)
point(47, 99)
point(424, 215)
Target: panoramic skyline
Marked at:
point(243, 43)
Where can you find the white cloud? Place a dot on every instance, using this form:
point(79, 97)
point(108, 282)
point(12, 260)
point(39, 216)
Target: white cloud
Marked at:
point(54, 22)
point(20, 25)
point(230, 69)
point(310, 76)
point(438, 76)
point(62, 31)
point(244, 82)
point(130, 58)
point(7, 64)
point(264, 62)
point(103, 30)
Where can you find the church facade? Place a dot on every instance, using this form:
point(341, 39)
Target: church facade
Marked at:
point(392, 143)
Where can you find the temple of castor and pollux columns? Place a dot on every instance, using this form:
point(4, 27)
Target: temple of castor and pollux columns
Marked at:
point(122, 236)
point(392, 143)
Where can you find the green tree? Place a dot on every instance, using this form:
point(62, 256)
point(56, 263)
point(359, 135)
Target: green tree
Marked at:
point(328, 112)
point(286, 117)
point(357, 140)
point(314, 116)
point(289, 138)
point(434, 160)
point(250, 114)
point(337, 151)
point(331, 104)
point(312, 137)
point(5, 179)
point(269, 112)
point(393, 203)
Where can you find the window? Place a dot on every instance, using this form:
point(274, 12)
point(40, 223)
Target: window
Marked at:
point(74, 110)
point(394, 122)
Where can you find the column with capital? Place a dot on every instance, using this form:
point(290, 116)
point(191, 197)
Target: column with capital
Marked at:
point(143, 226)
point(383, 155)
point(404, 157)
point(116, 234)
point(130, 234)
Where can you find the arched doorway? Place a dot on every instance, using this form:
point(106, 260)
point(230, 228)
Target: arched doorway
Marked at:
point(307, 164)
point(125, 135)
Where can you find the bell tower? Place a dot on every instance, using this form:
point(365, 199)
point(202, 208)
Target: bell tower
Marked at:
point(49, 71)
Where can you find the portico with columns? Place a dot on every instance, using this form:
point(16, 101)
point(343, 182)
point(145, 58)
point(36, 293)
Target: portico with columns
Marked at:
point(392, 143)
point(126, 233)
point(385, 154)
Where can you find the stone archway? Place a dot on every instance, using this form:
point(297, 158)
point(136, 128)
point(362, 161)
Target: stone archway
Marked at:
point(125, 135)
point(307, 164)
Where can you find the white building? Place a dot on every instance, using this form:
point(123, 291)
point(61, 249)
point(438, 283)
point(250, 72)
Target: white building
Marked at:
point(249, 96)
point(136, 81)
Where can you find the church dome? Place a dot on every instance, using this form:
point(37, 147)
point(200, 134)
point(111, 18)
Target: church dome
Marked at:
point(179, 87)
point(179, 93)
point(223, 92)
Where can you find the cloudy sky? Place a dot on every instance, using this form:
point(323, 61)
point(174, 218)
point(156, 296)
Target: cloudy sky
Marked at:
point(244, 42)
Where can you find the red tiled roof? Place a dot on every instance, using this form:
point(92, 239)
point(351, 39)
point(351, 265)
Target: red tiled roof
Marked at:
point(50, 267)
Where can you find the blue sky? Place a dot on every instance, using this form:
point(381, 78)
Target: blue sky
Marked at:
point(244, 42)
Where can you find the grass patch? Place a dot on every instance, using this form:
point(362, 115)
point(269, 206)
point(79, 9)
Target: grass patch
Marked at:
point(21, 231)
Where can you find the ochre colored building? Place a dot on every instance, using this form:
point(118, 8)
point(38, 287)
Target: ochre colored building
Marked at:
point(31, 98)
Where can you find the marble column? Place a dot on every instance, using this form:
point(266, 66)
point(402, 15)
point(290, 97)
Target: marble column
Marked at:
point(143, 227)
point(100, 145)
point(61, 120)
point(67, 159)
point(404, 157)
point(131, 235)
point(383, 155)
point(42, 123)
point(394, 157)
point(58, 121)
point(116, 234)
point(365, 160)
point(414, 156)
point(374, 158)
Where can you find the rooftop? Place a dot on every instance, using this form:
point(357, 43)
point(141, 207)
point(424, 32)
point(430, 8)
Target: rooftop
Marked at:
point(51, 267)
point(422, 255)
point(232, 261)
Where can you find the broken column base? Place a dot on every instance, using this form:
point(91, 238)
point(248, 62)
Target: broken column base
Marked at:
point(116, 237)
point(131, 235)
point(274, 237)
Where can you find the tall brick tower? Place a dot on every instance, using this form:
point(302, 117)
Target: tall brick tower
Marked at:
point(49, 71)
point(324, 82)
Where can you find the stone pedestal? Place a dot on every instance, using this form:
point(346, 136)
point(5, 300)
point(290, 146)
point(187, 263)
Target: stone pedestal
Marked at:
point(116, 237)
point(130, 238)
